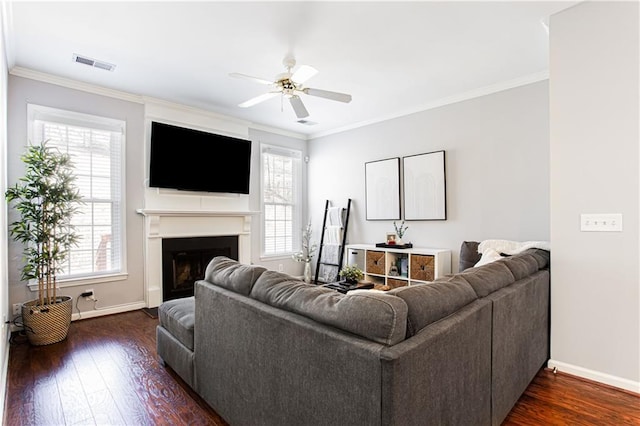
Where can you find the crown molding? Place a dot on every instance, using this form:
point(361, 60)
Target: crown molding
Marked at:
point(278, 131)
point(476, 93)
point(75, 84)
point(148, 100)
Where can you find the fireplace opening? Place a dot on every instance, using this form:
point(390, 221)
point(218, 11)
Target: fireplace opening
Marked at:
point(184, 261)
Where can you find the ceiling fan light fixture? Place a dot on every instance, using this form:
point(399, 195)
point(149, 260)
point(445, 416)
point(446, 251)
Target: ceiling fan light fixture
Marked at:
point(290, 86)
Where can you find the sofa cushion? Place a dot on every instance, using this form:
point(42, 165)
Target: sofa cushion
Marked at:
point(469, 255)
point(521, 265)
point(379, 317)
point(431, 302)
point(488, 278)
point(232, 275)
point(543, 257)
point(178, 317)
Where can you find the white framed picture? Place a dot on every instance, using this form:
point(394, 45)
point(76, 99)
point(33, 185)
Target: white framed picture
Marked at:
point(424, 182)
point(382, 189)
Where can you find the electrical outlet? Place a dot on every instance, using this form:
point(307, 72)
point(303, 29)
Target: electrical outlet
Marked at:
point(88, 294)
point(17, 308)
point(280, 267)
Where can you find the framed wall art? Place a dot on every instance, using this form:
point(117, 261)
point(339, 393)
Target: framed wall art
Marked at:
point(382, 189)
point(425, 195)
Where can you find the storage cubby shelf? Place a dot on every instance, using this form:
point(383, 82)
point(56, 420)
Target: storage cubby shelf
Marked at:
point(399, 267)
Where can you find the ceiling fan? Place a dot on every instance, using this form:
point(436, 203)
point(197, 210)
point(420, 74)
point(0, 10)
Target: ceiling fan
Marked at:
point(290, 85)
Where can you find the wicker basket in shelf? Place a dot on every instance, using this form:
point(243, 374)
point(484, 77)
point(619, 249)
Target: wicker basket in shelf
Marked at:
point(375, 262)
point(422, 267)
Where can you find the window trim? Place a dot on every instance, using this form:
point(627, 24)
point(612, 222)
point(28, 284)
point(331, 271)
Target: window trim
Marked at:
point(296, 154)
point(67, 117)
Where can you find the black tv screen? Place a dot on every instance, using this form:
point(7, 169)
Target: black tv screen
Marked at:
point(193, 160)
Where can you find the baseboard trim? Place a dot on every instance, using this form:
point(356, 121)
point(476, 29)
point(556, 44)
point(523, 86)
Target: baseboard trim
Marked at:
point(597, 376)
point(108, 311)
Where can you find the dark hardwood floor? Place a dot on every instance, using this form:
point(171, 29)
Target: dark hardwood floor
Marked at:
point(107, 373)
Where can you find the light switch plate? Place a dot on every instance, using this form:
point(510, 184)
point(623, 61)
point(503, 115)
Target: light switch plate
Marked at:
point(601, 222)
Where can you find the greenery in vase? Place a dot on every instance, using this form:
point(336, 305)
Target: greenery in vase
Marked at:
point(308, 247)
point(400, 230)
point(46, 200)
point(351, 273)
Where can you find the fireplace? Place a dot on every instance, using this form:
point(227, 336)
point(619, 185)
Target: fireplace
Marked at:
point(184, 261)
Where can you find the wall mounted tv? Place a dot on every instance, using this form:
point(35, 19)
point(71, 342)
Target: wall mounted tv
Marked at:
point(192, 160)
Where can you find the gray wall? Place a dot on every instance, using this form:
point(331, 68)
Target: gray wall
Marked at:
point(497, 169)
point(594, 169)
point(23, 91)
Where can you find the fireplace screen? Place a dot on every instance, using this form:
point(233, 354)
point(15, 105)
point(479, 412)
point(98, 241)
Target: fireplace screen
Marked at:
point(184, 261)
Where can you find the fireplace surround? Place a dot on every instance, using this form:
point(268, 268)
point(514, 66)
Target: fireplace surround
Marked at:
point(168, 224)
point(184, 261)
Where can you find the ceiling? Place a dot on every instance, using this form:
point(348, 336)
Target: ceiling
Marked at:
point(392, 57)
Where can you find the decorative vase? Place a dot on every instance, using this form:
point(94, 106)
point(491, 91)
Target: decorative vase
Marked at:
point(307, 272)
point(47, 324)
point(399, 241)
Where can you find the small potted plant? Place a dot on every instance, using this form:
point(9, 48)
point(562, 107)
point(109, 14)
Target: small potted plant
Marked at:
point(400, 230)
point(46, 200)
point(351, 274)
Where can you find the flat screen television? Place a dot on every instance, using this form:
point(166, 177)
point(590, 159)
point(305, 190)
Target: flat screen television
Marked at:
point(193, 160)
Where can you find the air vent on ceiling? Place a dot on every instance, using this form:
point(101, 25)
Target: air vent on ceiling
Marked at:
point(93, 62)
point(307, 122)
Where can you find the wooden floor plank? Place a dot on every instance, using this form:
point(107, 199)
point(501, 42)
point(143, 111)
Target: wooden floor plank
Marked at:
point(107, 373)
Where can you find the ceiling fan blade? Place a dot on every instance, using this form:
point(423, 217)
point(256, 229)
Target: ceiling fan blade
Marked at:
point(304, 73)
point(334, 96)
point(258, 99)
point(298, 107)
point(248, 77)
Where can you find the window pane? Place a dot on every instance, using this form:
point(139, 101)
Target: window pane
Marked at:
point(101, 188)
point(102, 213)
point(280, 178)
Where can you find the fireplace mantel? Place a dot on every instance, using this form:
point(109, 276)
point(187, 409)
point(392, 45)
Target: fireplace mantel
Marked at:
point(193, 213)
point(168, 223)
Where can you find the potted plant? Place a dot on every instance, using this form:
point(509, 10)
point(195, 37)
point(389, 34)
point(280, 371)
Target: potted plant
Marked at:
point(306, 254)
point(46, 199)
point(400, 230)
point(351, 274)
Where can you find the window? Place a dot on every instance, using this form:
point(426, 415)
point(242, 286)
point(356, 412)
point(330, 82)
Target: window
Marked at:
point(281, 200)
point(95, 145)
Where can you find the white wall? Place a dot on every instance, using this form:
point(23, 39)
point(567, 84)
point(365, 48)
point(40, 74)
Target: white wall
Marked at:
point(4, 287)
point(594, 169)
point(497, 169)
point(116, 294)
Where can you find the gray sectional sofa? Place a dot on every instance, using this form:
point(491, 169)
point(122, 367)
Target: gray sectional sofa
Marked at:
point(263, 348)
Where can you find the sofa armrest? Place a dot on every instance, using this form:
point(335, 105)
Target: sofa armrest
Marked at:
point(441, 375)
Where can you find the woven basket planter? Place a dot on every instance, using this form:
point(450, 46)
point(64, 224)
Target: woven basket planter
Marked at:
point(47, 324)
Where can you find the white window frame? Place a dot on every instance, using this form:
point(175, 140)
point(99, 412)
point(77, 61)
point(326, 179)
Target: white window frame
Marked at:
point(43, 113)
point(297, 205)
